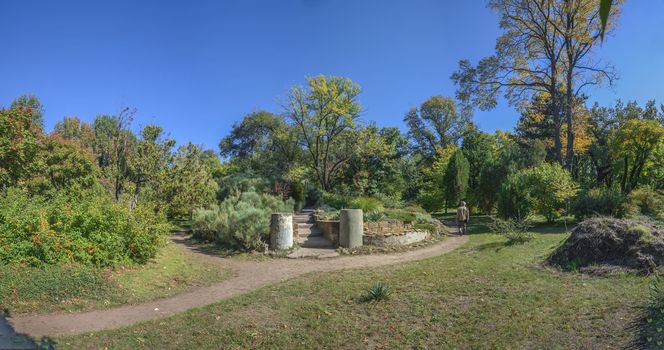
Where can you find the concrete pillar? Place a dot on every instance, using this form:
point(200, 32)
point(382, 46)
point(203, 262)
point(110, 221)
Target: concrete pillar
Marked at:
point(351, 228)
point(281, 231)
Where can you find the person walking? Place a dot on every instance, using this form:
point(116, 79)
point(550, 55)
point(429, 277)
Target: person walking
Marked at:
point(463, 216)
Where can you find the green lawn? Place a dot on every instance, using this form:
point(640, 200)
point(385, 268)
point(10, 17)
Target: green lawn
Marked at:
point(483, 295)
point(42, 290)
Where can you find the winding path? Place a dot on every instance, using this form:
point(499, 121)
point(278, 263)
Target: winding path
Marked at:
point(249, 276)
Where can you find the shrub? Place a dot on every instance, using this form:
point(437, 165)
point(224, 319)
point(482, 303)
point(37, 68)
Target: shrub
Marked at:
point(515, 231)
point(377, 292)
point(600, 201)
point(374, 216)
point(645, 201)
point(242, 219)
point(544, 189)
point(401, 215)
point(90, 229)
point(367, 204)
point(432, 228)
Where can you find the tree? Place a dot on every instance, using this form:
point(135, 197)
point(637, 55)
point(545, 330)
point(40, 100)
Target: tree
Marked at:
point(527, 62)
point(325, 114)
point(32, 104)
point(548, 47)
point(72, 129)
point(434, 125)
point(479, 148)
point(112, 144)
point(19, 145)
point(634, 143)
point(191, 186)
point(149, 165)
point(455, 180)
point(578, 22)
point(63, 164)
point(264, 143)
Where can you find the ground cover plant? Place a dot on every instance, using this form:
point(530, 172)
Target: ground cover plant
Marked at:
point(75, 287)
point(485, 294)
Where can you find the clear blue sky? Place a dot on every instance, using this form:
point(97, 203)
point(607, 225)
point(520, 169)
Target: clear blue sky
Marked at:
point(195, 67)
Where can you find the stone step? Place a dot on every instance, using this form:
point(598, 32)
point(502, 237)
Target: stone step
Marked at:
point(303, 220)
point(315, 242)
point(307, 210)
point(310, 232)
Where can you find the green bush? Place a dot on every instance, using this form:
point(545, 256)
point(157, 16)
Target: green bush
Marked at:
point(374, 216)
point(544, 189)
point(367, 204)
point(242, 219)
point(645, 201)
point(600, 201)
point(90, 229)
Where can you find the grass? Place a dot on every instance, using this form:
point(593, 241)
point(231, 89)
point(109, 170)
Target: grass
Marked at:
point(74, 288)
point(482, 295)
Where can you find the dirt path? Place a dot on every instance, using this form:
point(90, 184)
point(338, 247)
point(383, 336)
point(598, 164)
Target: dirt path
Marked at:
point(249, 276)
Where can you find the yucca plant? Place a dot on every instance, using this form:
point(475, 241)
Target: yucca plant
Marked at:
point(377, 292)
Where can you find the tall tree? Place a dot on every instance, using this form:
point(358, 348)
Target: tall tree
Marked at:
point(455, 180)
point(149, 165)
point(527, 61)
point(19, 145)
point(325, 113)
point(579, 24)
point(435, 125)
point(191, 186)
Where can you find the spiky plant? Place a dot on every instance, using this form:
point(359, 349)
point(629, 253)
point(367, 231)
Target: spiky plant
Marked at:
point(377, 292)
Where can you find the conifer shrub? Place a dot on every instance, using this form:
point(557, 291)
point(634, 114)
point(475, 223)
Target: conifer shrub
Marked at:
point(242, 220)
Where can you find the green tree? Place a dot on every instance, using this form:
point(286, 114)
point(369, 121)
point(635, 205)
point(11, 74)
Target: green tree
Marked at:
point(33, 106)
point(149, 165)
point(435, 125)
point(455, 180)
point(263, 143)
point(634, 144)
point(325, 115)
point(19, 145)
point(192, 186)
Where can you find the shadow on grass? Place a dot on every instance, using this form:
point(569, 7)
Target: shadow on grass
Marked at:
point(203, 247)
point(10, 340)
point(648, 328)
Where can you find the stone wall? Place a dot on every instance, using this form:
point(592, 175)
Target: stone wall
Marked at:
point(388, 232)
point(329, 228)
point(396, 239)
point(387, 227)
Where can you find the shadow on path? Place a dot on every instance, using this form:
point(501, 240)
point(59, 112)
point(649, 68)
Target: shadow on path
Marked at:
point(10, 340)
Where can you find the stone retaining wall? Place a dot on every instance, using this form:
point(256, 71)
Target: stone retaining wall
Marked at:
point(329, 228)
point(388, 232)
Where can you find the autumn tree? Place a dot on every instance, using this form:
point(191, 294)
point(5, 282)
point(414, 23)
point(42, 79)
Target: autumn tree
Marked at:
point(547, 47)
point(19, 145)
point(33, 106)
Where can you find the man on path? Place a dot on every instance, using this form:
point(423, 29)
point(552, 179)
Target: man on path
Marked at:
point(463, 215)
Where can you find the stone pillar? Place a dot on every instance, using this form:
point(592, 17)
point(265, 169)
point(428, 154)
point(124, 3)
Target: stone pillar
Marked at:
point(351, 228)
point(281, 231)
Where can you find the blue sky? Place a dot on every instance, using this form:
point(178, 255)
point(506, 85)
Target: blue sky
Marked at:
point(196, 67)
